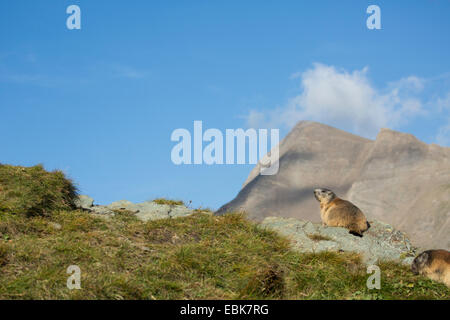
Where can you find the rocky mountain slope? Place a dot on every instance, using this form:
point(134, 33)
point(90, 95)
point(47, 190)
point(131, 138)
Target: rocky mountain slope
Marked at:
point(395, 178)
point(380, 243)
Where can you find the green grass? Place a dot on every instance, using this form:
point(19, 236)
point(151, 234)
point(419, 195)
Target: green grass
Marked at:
point(168, 202)
point(196, 257)
point(34, 191)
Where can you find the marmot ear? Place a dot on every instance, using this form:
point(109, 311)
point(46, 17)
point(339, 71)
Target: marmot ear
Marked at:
point(423, 257)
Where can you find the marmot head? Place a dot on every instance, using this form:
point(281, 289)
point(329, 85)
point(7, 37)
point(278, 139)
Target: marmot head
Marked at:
point(324, 195)
point(419, 262)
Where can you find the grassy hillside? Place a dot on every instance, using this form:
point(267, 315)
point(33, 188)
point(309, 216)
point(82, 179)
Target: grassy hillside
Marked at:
point(196, 257)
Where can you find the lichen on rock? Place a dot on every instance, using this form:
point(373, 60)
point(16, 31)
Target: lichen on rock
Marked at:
point(380, 243)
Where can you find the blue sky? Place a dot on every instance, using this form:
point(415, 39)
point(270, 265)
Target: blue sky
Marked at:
point(101, 103)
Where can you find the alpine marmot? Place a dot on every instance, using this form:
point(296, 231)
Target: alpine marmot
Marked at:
point(336, 212)
point(434, 264)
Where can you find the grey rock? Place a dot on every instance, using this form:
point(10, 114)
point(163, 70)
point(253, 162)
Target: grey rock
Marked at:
point(101, 210)
point(408, 261)
point(144, 211)
point(153, 211)
point(380, 243)
point(395, 178)
point(144, 248)
point(124, 205)
point(55, 225)
point(84, 202)
point(150, 210)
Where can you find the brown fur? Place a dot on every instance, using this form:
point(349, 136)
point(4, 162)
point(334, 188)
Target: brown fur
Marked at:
point(336, 212)
point(434, 264)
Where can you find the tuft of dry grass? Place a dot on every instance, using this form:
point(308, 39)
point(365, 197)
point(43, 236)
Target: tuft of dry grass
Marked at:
point(168, 202)
point(34, 191)
point(267, 282)
point(3, 254)
point(318, 237)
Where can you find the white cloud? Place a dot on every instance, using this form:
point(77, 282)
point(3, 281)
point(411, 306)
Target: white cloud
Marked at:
point(115, 71)
point(443, 135)
point(346, 100)
point(444, 103)
point(30, 79)
point(411, 84)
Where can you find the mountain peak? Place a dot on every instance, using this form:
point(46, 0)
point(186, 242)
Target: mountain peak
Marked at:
point(390, 135)
point(319, 131)
point(383, 177)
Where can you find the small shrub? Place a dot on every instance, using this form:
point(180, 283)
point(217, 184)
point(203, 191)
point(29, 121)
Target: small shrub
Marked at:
point(34, 191)
point(168, 202)
point(268, 282)
point(3, 254)
point(203, 210)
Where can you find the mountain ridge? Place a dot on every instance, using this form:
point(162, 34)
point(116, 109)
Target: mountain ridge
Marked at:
point(390, 178)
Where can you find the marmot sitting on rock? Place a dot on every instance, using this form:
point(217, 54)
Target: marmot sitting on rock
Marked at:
point(336, 212)
point(434, 264)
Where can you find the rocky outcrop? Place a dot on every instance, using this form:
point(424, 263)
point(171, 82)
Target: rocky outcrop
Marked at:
point(144, 211)
point(84, 202)
point(395, 178)
point(380, 243)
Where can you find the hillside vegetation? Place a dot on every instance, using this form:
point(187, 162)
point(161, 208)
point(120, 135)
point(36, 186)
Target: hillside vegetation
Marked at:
point(34, 191)
point(197, 257)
